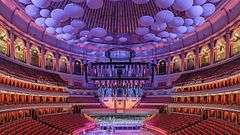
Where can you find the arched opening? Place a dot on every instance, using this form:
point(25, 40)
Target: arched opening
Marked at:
point(176, 64)
point(19, 49)
point(190, 61)
point(219, 50)
point(3, 41)
point(34, 56)
point(49, 61)
point(63, 64)
point(204, 56)
point(77, 67)
point(235, 42)
point(162, 67)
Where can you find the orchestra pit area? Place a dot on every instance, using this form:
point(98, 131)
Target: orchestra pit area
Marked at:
point(119, 67)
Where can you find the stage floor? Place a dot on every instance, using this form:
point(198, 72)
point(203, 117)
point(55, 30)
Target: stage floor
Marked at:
point(135, 132)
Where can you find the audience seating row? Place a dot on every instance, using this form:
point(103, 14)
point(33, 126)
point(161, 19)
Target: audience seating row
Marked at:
point(83, 99)
point(210, 127)
point(6, 117)
point(9, 116)
point(14, 82)
point(27, 73)
point(230, 82)
point(179, 124)
point(227, 114)
point(10, 98)
point(213, 73)
point(28, 126)
point(151, 99)
point(70, 123)
point(224, 99)
point(172, 122)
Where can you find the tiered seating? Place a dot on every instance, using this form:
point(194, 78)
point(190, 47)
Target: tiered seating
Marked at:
point(29, 73)
point(28, 127)
point(70, 123)
point(172, 122)
point(158, 102)
point(215, 72)
point(210, 127)
point(87, 99)
point(222, 98)
point(147, 99)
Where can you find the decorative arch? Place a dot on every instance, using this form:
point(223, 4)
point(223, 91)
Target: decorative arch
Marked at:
point(176, 64)
point(162, 67)
point(34, 56)
point(204, 56)
point(220, 49)
point(63, 64)
point(49, 60)
point(235, 41)
point(190, 61)
point(4, 41)
point(19, 49)
point(78, 67)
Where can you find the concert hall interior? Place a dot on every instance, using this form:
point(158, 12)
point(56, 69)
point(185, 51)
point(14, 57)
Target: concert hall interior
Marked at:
point(119, 67)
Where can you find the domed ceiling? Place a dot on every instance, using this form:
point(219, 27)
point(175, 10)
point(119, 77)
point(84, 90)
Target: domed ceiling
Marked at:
point(119, 21)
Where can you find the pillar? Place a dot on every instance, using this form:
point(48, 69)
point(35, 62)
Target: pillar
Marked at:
point(211, 51)
point(169, 65)
point(228, 44)
point(70, 65)
point(56, 61)
point(42, 57)
point(12, 46)
point(27, 52)
point(196, 59)
point(183, 62)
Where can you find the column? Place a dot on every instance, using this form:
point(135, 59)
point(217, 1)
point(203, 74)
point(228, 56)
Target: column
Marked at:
point(183, 62)
point(196, 59)
point(70, 65)
point(169, 67)
point(42, 57)
point(211, 51)
point(12, 46)
point(27, 52)
point(228, 44)
point(56, 61)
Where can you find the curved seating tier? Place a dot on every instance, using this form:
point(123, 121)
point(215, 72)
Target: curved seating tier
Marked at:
point(171, 122)
point(28, 126)
point(223, 112)
point(31, 74)
point(210, 127)
point(153, 102)
point(70, 123)
point(153, 99)
point(179, 124)
point(229, 98)
point(213, 73)
point(13, 113)
point(83, 99)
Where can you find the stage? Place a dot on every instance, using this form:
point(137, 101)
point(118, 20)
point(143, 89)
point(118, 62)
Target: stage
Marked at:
point(122, 132)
